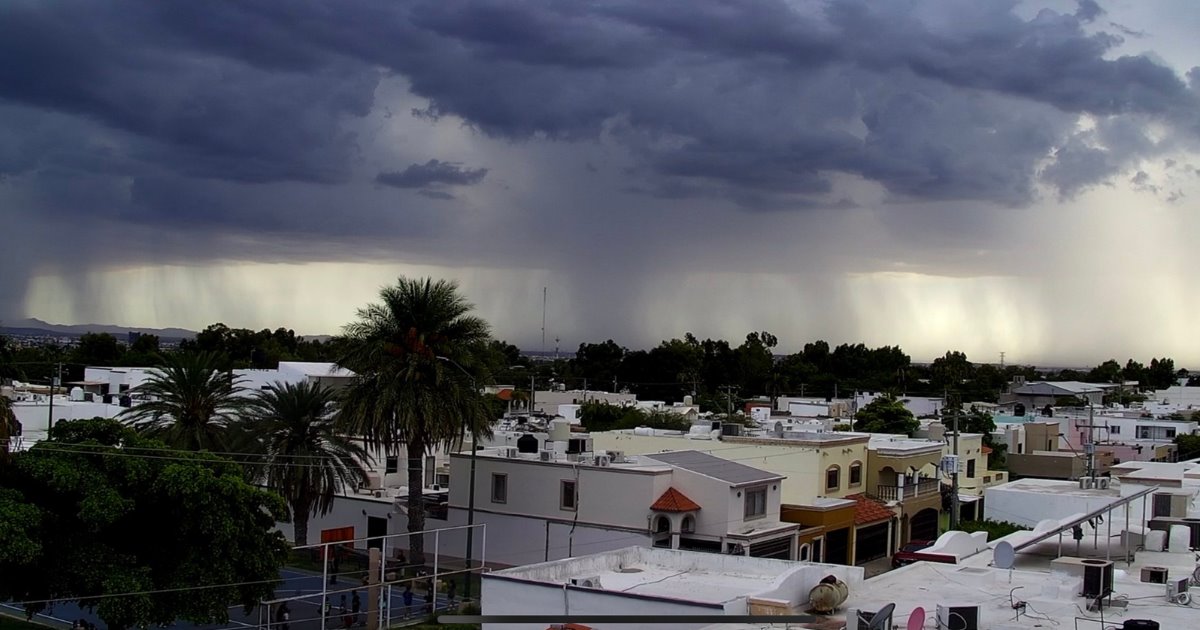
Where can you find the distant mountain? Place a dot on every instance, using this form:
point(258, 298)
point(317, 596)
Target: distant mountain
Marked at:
point(37, 327)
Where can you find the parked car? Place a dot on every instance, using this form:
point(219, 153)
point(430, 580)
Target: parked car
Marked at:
point(909, 553)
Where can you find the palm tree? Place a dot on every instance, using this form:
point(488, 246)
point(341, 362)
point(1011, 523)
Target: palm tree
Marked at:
point(192, 404)
point(298, 452)
point(403, 391)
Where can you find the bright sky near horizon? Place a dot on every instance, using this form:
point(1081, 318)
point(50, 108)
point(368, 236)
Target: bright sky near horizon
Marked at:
point(983, 176)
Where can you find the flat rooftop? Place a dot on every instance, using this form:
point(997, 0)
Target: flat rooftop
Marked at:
point(665, 573)
point(1050, 599)
point(1057, 487)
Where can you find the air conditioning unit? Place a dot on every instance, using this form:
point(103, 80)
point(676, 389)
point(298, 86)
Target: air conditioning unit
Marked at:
point(510, 452)
point(602, 461)
point(573, 457)
point(1102, 483)
point(546, 456)
point(379, 494)
point(1164, 524)
point(1097, 578)
point(1154, 575)
point(587, 582)
point(1177, 591)
point(617, 457)
point(1086, 483)
point(958, 617)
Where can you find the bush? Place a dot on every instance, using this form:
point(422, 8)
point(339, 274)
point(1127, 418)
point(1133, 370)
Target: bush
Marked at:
point(994, 529)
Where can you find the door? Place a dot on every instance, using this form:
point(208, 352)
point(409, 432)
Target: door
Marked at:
point(871, 543)
point(376, 527)
point(924, 525)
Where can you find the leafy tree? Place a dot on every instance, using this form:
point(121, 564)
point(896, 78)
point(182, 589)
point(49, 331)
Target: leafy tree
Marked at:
point(98, 349)
point(1161, 373)
point(599, 362)
point(1107, 372)
point(102, 510)
point(303, 457)
point(192, 404)
point(598, 415)
point(886, 414)
point(10, 428)
point(1187, 446)
point(403, 392)
point(1134, 371)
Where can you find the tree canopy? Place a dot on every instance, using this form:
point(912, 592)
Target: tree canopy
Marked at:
point(105, 517)
point(886, 414)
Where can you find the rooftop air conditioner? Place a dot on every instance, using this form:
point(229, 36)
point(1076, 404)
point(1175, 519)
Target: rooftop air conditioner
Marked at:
point(546, 456)
point(602, 461)
point(587, 582)
point(1097, 578)
point(379, 494)
point(1102, 483)
point(958, 617)
point(1154, 575)
point(617, 457)
point(1177, 591)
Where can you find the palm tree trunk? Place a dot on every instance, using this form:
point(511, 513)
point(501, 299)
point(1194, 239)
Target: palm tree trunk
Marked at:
point(416, 508)
point(300, 512)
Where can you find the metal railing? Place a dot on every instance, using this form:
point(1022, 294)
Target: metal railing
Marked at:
point(922, 487)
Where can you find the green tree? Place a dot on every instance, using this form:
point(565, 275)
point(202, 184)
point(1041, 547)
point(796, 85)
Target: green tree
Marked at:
point(403, 393)
point(1187, 447)
point(300, 454)
point(598, 415)
point(192, 405)
point(101, 510)
point(98, 349)
point(886, 414)
point(10, 428)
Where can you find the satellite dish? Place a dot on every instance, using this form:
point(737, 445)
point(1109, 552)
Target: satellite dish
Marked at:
point(882, 619)
point(916, 619)
point(1004, 555)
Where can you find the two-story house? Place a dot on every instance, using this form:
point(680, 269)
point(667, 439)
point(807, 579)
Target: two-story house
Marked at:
point(544, 501)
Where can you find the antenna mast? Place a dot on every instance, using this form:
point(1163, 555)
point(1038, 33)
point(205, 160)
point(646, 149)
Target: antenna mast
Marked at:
point(544, 320)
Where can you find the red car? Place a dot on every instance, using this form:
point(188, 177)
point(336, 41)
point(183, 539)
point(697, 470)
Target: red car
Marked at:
point(910, 553)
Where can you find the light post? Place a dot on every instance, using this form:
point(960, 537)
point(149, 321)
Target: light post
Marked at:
point(470, 483)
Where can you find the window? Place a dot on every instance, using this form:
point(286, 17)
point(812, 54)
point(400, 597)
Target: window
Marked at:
point(430, 465)
point(1155, 433)
point(970, 468)
point(833, 478)
point(392, 464)
point(567, 499)
point(499, 488)
point(805, 551)
point(1114, 430)
point(689, 525)
point(756, 503)
point(855, 474)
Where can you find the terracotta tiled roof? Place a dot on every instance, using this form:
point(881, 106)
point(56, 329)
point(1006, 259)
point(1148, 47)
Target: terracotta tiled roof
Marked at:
point(987, 450)
point(868, 510)
point(674, 501)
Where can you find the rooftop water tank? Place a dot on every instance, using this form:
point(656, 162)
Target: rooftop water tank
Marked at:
point(827, 595)
point(77, 394)
point(527, 444)
point(643, 431)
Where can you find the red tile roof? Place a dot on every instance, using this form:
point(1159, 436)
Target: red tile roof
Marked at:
point(868, 510)
point(674, 501)
point(987, 450)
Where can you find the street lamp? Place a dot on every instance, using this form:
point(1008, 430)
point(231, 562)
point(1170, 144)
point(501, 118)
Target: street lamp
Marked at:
point(470, 483)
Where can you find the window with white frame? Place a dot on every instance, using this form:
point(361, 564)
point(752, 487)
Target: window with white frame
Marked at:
point(499, 488)
point(756, 503)
point(567, 498)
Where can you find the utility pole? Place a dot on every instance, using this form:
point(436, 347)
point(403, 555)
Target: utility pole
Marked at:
point(1001, 360)
point(954, 477)
point(53, 385)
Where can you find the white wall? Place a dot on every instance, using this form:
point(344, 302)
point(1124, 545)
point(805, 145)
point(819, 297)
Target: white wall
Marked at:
point(606, 496)
point(348, 512)
point(35, 417)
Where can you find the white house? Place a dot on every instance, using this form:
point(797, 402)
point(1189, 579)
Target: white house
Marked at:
point(548, 499)
point(294, 372)
point(643, 581)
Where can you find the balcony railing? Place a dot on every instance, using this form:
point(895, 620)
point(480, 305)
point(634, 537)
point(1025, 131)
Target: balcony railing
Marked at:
point(921, 487)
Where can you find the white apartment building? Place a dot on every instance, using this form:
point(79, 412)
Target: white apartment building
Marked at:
point(553, 500)
point(294, 372)
point(644, 581)
point(919, 406)
point(548, 401)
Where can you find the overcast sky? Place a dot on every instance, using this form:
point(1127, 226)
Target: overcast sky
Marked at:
point(978, 175)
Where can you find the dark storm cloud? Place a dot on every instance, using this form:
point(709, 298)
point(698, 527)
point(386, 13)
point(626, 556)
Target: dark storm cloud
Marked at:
point(245, 118)
point(432, 173)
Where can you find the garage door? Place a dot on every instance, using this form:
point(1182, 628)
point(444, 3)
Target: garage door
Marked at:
point(924, 525)
point(871, 543)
